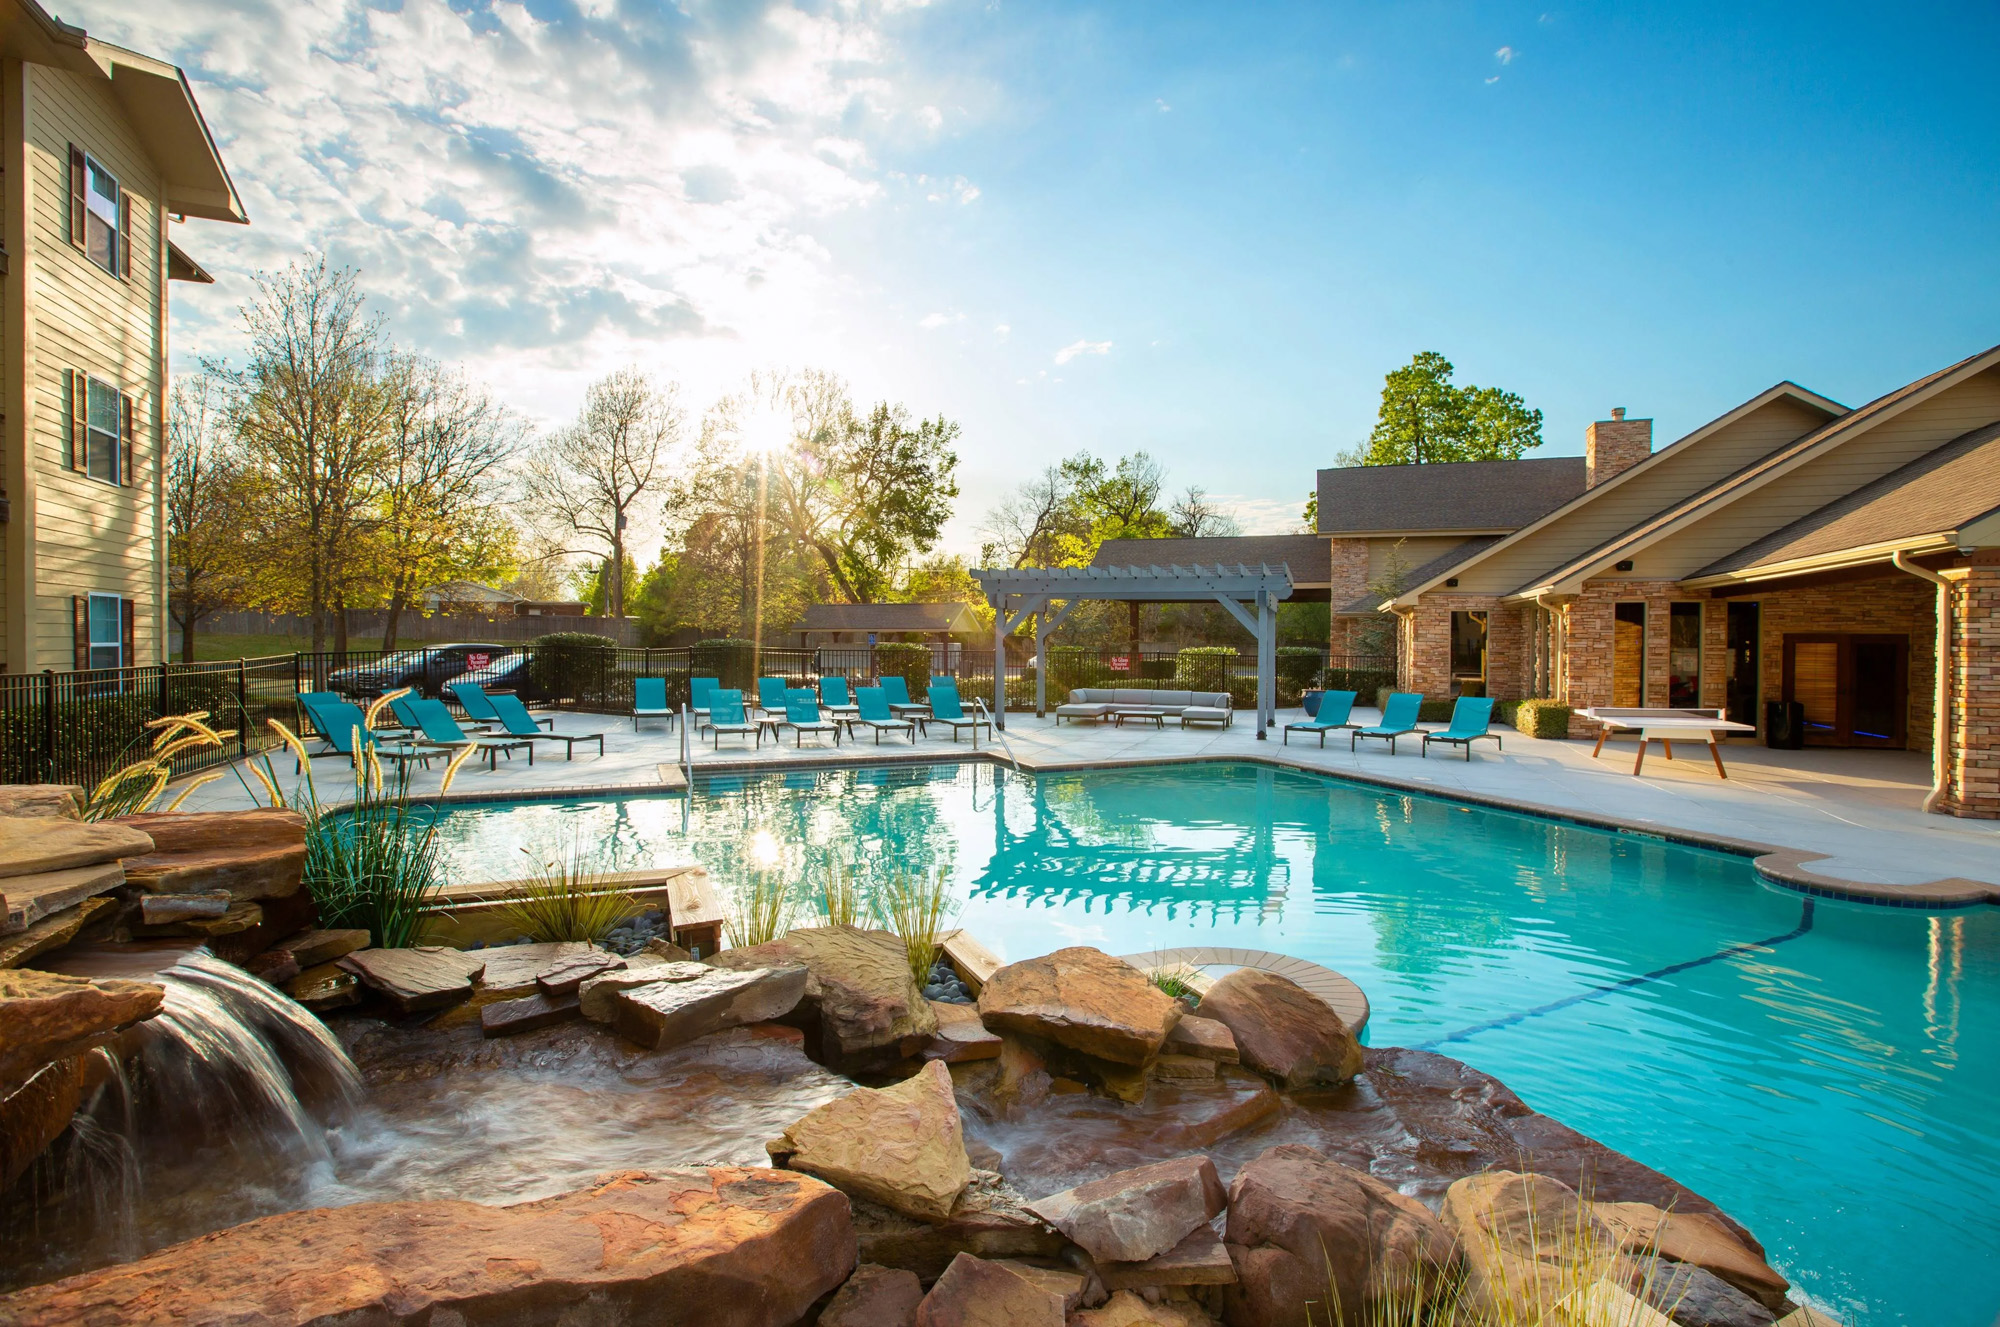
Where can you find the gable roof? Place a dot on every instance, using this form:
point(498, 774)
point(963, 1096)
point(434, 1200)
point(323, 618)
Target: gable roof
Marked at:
point(1761, 471)
point(1307, 556)
point(1936, 495)
point(1785, 390)
point(1437, 568)
point(1463, 497)
point(949, 617)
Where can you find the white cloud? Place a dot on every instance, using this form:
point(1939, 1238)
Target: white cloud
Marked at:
point(1262, 515)
point(1494, 79)
point(933, 321)
point(1075, 348)
point(1161, 103)
point(932, 117)
point(1505, 55)
point(1001, 329)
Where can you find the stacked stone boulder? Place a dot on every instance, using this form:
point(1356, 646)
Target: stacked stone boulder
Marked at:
point(861, 1007)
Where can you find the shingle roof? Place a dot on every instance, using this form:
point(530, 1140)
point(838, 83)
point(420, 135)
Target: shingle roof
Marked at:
point(1308, 555)
point(887, 617)
point(1721, 491)
point(1437, 566)
point(1934, 494)
point(1455, 495)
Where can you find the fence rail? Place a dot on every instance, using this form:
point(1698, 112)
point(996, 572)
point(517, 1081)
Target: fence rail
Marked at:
point(78, 727)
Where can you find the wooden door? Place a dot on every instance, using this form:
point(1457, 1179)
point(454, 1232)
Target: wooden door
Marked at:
point(1854, 687)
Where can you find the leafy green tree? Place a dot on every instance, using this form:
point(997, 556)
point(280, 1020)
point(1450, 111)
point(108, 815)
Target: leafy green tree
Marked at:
point(1424, 418)
point(595, 587)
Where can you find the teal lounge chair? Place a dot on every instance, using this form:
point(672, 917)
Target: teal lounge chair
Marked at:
point(515, 721)
point(1335, 708)
point(439, 729)
point(946, 709)
point(833, 698)
point(725, 715)
point(771, 694)
point(649, 701)
point(700, 689)
point(1470, 718)
point(478, 706)
point(872, 708)
point(311, 721)
point(898, 693)
point(802, 716)
point(340, 720)
point(1399, 719)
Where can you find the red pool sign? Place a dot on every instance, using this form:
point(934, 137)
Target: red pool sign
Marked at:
point(1121, 663)
point(477, 661)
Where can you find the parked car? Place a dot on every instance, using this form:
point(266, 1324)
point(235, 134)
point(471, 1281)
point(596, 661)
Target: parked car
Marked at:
point(426, 669)
point(509, 672)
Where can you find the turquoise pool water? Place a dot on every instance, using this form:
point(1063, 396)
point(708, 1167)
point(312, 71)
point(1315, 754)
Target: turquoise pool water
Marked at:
point(1812, 1066)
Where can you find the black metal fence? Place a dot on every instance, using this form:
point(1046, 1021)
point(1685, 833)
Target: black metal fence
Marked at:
point(78, 727)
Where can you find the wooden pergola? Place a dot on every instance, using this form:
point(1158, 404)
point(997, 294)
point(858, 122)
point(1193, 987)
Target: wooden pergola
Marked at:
point(1251, 595)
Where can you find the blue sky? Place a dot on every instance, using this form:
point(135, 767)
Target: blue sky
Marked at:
point(1204, 230)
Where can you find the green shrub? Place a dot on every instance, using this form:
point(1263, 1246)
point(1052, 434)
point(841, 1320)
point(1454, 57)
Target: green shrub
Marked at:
point(732, 662)
point(1157, 670)
point(1433, 710)
point(908, 661)
point(1072, 666)
point(571, 665)
point(1298, 666)
point(1363, 682)
point(1541, 718)
point(1203, 668)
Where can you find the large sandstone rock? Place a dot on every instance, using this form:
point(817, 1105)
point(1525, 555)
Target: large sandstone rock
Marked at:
point(425, 977)
point(976, 1293)
point(314, 947)
point(901, 1146)
point(727, 1246)
point(48, 1016)
point(1692, 1296)
point(641, 969)
point(33, 898)
point(61, 801)
point(1083, 999)
point(37, 844)
point(52, 932)
point(1528, 1241)
point(511, 969)
point(1283, 1030)
point(875, 1297)
point(1298, 1220)
point(668, 1013)
point(861, 1005)
point(34, 1114)
point(1125, 1309)
point(1203, 1037)
point(960, 1035)
point(1699, 1238)
point(1202, 1259)
point(248, 854)
point(989, 1220)
point(1137, 1214)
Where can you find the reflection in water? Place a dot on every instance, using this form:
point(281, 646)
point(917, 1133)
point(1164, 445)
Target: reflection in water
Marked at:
point(1815, 1089)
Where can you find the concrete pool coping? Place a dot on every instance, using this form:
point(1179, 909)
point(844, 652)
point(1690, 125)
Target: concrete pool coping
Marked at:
point(1791, 800)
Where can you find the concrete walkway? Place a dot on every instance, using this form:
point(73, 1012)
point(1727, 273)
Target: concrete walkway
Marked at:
point(1840, 818)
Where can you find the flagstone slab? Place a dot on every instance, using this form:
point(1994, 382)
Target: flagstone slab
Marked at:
point(34, 845)
point(418, 978)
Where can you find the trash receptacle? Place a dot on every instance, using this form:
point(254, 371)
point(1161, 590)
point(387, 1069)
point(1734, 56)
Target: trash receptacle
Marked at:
point(1784, 724)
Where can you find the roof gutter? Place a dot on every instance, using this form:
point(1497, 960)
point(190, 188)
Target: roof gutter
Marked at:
point(1941, 706)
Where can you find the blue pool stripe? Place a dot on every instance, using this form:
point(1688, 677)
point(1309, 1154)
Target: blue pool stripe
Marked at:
point(1597, 992)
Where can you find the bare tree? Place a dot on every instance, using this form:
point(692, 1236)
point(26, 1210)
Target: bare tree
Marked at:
point(594, 482)
point(445, 441)
point(1195, 515)
point(309, 410)
point(209, 504)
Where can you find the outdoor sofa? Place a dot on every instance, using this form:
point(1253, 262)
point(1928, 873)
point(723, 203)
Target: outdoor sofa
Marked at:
point(1187, 706)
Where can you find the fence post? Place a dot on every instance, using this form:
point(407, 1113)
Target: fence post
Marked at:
point(242, 710)
point(160, 696)
point(48, 725)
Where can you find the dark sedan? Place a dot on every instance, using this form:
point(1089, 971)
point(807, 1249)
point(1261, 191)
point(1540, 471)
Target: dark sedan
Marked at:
point(426, 669)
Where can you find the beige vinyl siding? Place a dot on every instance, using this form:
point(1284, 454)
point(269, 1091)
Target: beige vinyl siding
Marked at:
point(92, 536)
point(1682, 470)
point(1858, 460)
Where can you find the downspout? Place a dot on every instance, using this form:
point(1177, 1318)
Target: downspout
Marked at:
point(1941, 735)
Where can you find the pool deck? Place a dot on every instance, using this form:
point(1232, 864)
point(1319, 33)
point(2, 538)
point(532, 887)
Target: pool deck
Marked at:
point(1843, 823)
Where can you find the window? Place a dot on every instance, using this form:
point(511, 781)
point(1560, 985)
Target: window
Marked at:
point(103, 431)
point(1628, 655)
point(100, 214)
point(1468, 653)
point(1684, 655)
point(107, 631)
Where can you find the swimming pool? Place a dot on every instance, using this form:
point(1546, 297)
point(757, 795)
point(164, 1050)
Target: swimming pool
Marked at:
point(1813, 1066)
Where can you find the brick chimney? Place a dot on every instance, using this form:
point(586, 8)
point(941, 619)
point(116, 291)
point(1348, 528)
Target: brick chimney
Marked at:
point(1614, 444)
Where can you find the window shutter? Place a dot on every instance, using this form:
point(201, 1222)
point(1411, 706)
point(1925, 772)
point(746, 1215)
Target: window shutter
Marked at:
point(124, 234)
point(125, 450)
point(127, 617)
point(80, 615)
point(76, 405)
point(76, 187)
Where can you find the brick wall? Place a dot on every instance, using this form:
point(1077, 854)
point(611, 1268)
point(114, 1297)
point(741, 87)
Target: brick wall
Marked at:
point(1350, 581)
point(1425, 660)
point(1592, 639)
point(1973, 786)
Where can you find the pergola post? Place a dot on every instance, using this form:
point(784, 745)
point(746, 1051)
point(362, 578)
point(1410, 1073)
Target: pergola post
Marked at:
point(1267, 659)
point(999, 603)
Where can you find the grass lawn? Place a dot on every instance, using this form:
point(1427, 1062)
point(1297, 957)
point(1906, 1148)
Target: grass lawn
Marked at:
point(219, 646)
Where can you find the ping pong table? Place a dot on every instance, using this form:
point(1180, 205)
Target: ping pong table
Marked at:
point(1665, 726)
